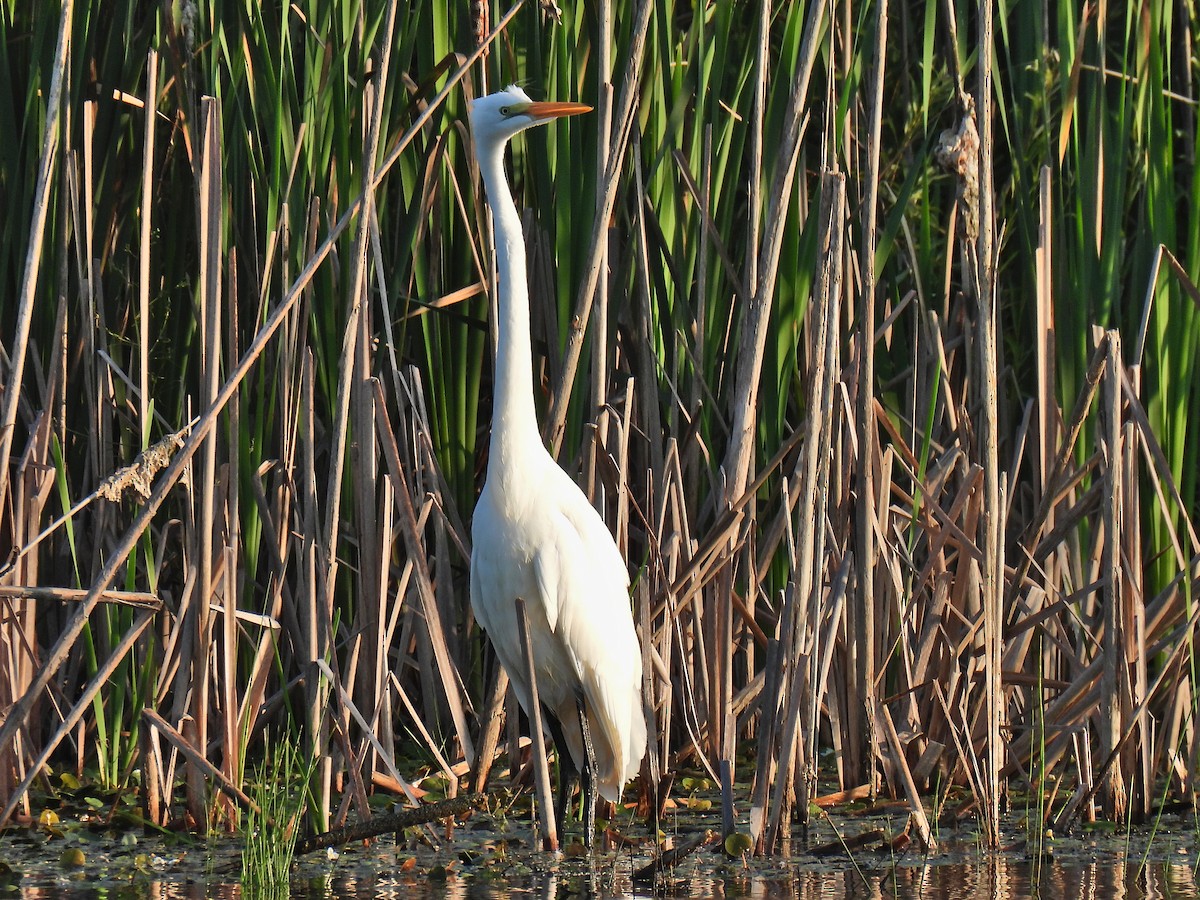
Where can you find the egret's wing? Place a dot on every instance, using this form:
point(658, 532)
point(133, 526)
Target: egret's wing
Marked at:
point(560, 557)
point(584, 581)
point(547, 572)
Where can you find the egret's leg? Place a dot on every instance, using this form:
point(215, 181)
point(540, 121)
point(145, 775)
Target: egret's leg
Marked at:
point(568, 774)
point(590, 787)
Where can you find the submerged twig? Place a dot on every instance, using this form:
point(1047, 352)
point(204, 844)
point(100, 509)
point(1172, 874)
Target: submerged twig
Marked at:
point(672, 856)
point(392, 822)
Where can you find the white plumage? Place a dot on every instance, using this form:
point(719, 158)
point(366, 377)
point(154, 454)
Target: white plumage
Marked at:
point(535, 534)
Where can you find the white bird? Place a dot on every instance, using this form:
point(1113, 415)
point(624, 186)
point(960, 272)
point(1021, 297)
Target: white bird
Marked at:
point(536, 536)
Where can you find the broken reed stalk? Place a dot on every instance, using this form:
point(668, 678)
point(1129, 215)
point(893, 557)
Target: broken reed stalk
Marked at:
point(600, 362)
point(151, 788)
point(1113, 796)
point(489, 733)
point(1045, 400)
point(795, 761)
point(137, 599)
point(774, 663)
point(863, 753)
point(209, 295)
point(916, 809)
point(757, 122)
point(992, 533)
point(541, 764)
point(811, 551)
point(150, 111)
point(728, 819)
point(356, 400)
point(315, 627)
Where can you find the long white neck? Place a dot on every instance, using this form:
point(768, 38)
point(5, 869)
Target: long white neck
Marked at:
point(514, 422)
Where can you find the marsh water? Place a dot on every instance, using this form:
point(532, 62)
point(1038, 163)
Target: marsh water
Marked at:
point(498, 862)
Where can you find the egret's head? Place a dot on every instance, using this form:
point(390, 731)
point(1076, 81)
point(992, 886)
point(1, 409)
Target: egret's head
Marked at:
point(497, 117)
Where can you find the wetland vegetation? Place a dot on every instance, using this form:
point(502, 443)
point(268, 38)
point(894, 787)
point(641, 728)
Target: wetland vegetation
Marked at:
point(872, 330)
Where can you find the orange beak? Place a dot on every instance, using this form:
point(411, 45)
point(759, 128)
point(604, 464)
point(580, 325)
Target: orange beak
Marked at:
point(549, 110)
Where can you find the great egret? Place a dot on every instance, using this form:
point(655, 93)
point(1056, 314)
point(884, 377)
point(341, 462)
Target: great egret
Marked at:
point(537, 537)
